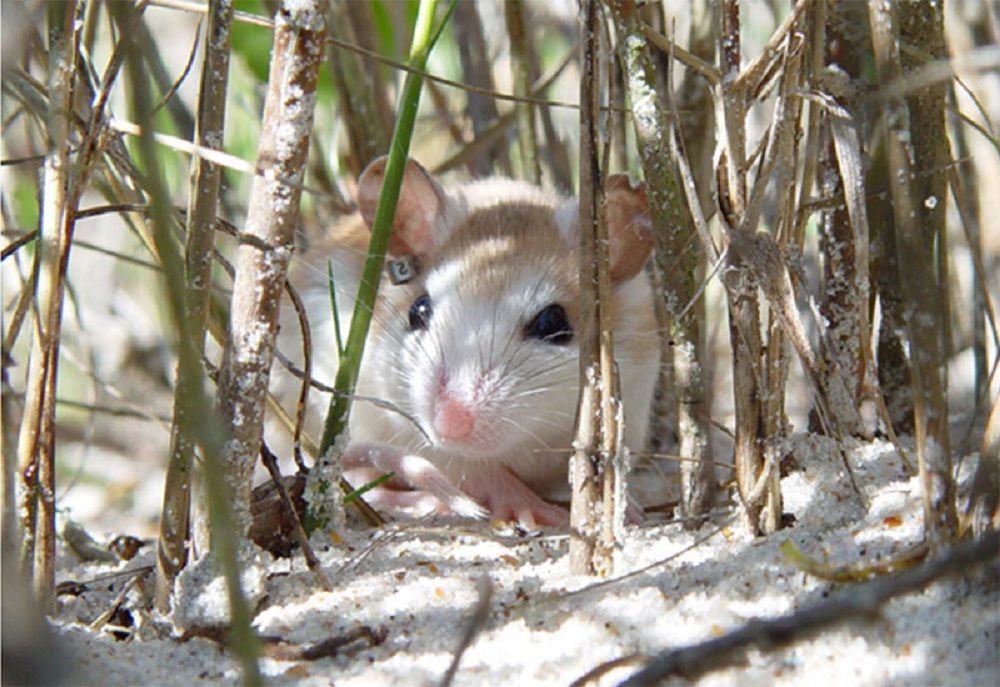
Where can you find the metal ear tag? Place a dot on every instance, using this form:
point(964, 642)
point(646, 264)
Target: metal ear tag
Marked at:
point(403, 270)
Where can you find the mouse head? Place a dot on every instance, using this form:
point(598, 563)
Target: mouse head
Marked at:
point(425, 216)
point(484, 341)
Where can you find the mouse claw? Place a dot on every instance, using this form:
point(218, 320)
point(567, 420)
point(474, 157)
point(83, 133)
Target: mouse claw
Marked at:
point(508, 498)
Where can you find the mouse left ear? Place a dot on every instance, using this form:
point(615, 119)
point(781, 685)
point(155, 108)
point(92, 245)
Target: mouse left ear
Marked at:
point(418, 210)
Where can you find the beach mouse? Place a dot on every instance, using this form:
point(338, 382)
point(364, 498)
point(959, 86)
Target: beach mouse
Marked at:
point(477, 341)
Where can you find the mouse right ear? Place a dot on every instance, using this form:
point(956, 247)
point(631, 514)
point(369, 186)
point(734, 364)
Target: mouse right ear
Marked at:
point(630, 229)
point(418, 210)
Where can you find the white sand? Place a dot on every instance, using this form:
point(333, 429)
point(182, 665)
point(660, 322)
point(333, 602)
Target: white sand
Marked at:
point(548, 627)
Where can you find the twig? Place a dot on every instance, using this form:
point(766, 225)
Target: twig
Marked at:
point(209, 433)
point(479, 616)
point(858, 572)
point(860, 601)
point(262, 261)
point(520, 64)
point(179, 81)
point(271, 463)
point(602, 669)
point(171, 553)
point(490, 134)
point(664, 44)
point(752, 76)
point(279, 650)
point(18, 243)
point(36, 441)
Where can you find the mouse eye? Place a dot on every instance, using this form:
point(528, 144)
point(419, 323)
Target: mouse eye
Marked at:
point(420, 313)
point(550, 325)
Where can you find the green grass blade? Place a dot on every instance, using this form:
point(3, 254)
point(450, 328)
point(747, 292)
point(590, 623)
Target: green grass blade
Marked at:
point(347, 371)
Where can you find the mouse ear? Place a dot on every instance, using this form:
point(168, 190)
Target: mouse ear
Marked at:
point(630, 228)
point(421, 202)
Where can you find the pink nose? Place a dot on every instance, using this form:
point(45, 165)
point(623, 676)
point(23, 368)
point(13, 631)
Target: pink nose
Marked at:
point(453, 421)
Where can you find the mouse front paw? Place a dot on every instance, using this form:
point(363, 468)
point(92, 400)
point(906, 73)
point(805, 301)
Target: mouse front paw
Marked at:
point(417, 483)
point(508, 498)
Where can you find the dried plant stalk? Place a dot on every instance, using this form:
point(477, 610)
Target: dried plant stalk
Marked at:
point(480, 109)
point(361, 95)
point(203, 200)
point(916, 234)
point(844, 304)
point(157, 68)
point(693, 377)
point(963, 182)
point(209, 434)
point(893, 368)
point(744, 309)
point(595, 465)
point(677, 258)
point(266, 244)
point(982, 511)
point(36, 441)
point(527, 136)
point(694, 100)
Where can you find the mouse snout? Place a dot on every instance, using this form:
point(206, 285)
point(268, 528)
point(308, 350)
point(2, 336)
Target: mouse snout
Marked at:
point(453, 420)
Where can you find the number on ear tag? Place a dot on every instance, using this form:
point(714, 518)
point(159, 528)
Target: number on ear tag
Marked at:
point(403, 270)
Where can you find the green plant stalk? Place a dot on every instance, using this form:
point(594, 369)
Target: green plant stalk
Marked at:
point(335, 311)
point(350, 364)
point(362, 490)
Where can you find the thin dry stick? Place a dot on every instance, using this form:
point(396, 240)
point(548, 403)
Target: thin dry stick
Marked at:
point(476, 68)
point(923, 317)
point(751, 79)
point(596, 466)
point(210, 434)
point(844, 243)
point(171, 554)
point(157, 69)
point(262, 259)
point(256, 20)
point(676, 262)
point(698, 480)
point(744, 311)
point(527, 136)
point(361, 18)
point(480, 614)
point(690, 60)
point(357, 95)
point(271, 463)
point(182, 77)
point(36, 443)
point(967, 204)
point(861, 601)
point(487, 140)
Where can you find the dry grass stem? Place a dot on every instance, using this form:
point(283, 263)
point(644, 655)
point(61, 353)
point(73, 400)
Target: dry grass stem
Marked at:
point(912, 134)
point(592, 471)
point(36, 442)
point(262, 258)
point(171, 553)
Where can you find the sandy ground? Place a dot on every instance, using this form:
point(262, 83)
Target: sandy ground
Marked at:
point(415, 585)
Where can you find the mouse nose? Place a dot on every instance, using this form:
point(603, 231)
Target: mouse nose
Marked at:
point(453, 420)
